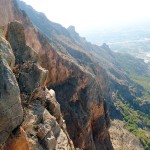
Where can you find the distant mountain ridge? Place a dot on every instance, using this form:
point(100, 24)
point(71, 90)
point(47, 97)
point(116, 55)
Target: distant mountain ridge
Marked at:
point(134, 38)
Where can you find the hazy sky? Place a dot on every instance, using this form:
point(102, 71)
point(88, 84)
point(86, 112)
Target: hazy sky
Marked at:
point(90, 14)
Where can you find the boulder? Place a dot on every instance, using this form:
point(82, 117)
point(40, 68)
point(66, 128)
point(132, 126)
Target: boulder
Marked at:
point(15, 35)
point(56, 138)
point(11, 113)
point(6, 52)
point(50, 142)
point(47, 137)
point(51, 121)
point(43, 131)
point(32, 76)
point(53, 106)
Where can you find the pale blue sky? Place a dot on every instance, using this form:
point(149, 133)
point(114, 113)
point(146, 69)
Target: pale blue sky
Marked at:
point(90, 14)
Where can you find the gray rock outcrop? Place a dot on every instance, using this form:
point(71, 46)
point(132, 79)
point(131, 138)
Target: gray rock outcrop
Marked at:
point(15, 35)
point(11, 113)
point(6, 52)
point(32, 75)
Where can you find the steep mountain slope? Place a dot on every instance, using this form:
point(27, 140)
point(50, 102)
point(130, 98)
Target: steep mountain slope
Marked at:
point(79, 90)
point(93, 57)
point(102, 62)
point(139, 72)
point(98, 60)
point(84, 76)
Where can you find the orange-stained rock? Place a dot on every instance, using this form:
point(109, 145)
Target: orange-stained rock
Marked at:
point(18, 141)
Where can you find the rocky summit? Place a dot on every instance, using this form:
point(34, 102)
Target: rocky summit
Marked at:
point(58, 91)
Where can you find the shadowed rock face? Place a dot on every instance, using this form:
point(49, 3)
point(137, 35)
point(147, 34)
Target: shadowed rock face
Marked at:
point(85, 112)
point(11, 112)
point(78, 92)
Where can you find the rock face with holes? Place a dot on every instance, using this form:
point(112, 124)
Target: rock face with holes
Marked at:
point(11, 112)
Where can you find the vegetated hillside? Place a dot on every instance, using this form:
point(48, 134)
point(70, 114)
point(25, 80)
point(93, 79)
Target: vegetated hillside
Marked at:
point(139, 72)
point(117, 86)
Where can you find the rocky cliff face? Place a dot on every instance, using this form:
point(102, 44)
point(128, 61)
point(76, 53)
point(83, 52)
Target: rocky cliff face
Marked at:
point(31, 119)
point(78, 91)
point(84, 77)
point(11, 111)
